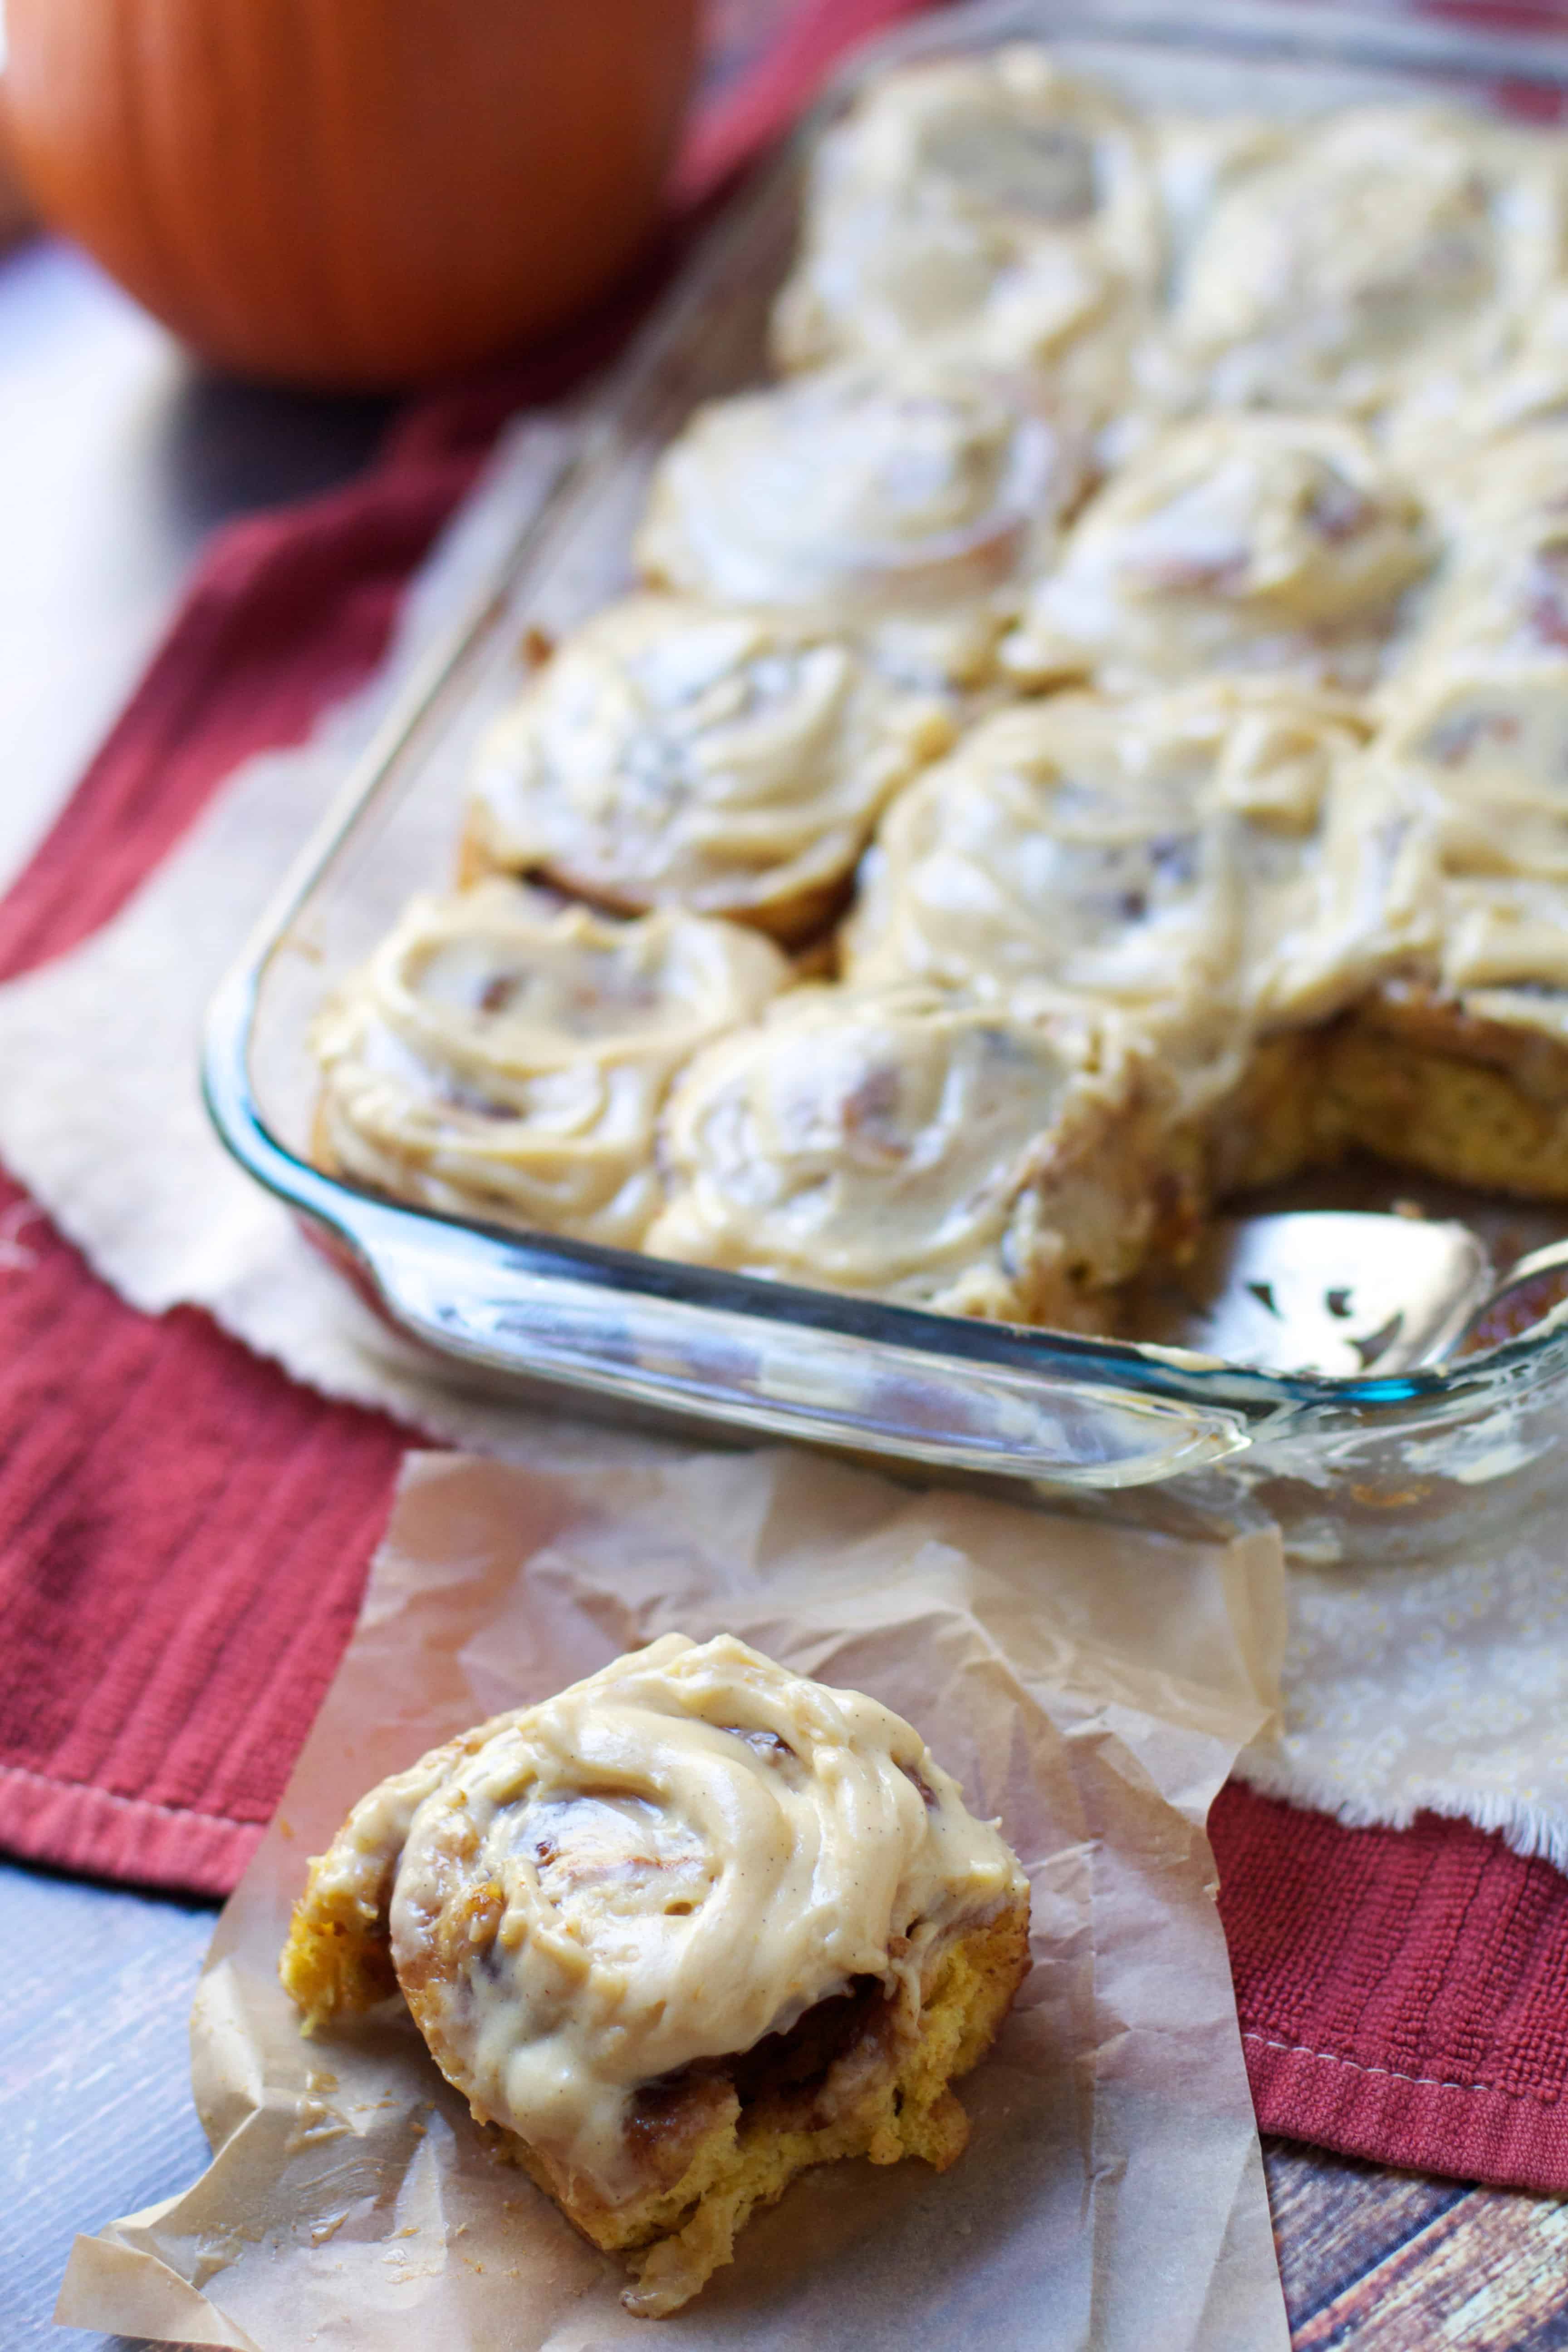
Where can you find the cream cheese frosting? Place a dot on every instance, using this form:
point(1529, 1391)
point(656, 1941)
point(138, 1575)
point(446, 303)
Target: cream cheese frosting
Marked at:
point(1476, 754)
point(1281, 544)
point(1198, 158)
point(1473, 738)
point(989, 204)
point(917, 1145)
point(1500, 596)
point(660, 1866)
point(1173, 853)
point(1525, 386)
point(1386, 246)
point(908, 507)
point(504, 1058)
point(675, 753)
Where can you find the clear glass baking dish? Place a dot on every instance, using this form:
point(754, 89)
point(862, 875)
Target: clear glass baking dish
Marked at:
point(1340, 1461)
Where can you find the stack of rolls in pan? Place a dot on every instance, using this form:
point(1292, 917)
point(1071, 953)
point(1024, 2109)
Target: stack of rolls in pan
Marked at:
point(1091, 736)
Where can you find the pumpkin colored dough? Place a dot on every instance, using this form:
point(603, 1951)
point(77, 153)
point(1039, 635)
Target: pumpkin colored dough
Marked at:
point(351, 192)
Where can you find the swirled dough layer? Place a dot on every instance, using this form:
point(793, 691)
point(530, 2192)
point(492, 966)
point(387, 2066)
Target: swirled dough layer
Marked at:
point(1280, 544)
point(1386, 246)
point(675, 754)
point(663, 1865)
point(995, 1159)
point(1188, 856)
point(990, 205)
point(504, 1058)
point(908, 507)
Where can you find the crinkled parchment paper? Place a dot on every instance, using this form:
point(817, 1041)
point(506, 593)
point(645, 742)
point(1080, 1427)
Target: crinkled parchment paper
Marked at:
point(1090, 1686)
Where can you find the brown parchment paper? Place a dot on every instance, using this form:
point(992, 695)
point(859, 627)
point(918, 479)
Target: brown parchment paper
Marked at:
point(1089, 1685)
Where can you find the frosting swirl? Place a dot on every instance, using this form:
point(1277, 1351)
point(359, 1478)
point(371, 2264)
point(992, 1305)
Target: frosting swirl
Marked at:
point(991, 204)
point(908, 507)
point(1500, 599)
point(661, 1866)
point(1476, 754)
point(923, 1146)
point(673, 754)
point(1157, 852)
point(1237, 542)
point(502, 1058)
point(1473, 744)
point(1386, 246)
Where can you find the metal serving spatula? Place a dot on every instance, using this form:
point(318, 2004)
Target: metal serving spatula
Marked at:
point(1348, 1293)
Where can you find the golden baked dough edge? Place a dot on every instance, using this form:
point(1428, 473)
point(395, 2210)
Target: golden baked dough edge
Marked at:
point(680, 2232)
point(1413, 1080)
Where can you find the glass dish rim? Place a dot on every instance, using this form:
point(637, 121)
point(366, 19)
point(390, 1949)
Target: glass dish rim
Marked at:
point(1282, 30)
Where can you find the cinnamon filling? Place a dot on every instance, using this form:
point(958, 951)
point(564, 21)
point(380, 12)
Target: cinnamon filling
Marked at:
point(667, 2115)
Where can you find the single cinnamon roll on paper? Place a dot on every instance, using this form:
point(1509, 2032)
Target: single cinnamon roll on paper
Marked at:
point(681, 1932)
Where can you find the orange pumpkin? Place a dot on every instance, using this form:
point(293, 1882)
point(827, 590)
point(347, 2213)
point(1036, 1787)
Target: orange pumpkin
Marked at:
point(351, 192)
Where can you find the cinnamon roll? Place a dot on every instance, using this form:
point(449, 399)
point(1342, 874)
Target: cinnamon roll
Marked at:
point(1499, 602)
point(672, 754)
point(1385, 248)
point(1462, 1053)
point(1008, 1160)
point(505, 1058)
point(1278, 545)
point(676, 1934)
point(991, 204)
point(1171, 853)
point(907, 509)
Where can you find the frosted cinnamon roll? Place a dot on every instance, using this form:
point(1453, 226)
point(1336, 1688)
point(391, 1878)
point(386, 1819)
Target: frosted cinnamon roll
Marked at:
point(1008, 1160)
point(1162, 851)
point(1480, 747)
point(676, 1934)
point(1387, 246)
point(504, 1058)
point(672, 754)
point(1280, 544)
point(907, 508)
point(1457, 1060)
point(1499, 601)
point(1477, 750)
point(990, 202)
point(1524, 391)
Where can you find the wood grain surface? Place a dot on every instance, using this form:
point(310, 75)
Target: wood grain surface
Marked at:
point(1393, 2261)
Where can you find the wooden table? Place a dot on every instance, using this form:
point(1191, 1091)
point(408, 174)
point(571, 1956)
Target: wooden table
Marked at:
point(118, 460)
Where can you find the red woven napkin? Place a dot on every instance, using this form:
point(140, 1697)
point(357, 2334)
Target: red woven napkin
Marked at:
point(183, 1533)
